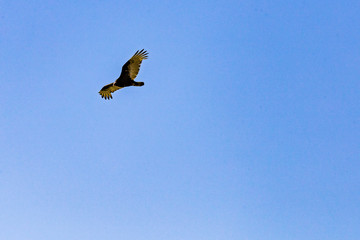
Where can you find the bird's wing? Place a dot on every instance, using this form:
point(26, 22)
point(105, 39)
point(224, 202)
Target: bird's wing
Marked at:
point(131, 68)
point(106, 91)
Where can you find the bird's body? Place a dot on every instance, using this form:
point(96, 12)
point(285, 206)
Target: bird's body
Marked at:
point(128, 74)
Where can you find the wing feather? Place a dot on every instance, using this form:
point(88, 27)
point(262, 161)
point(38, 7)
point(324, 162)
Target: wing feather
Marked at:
point(106, 91)
point(131, 68)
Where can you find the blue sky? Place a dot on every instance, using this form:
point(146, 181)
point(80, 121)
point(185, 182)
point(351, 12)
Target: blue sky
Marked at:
point(247, 126)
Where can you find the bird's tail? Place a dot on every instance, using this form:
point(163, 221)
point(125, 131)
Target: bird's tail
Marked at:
point(138, 84)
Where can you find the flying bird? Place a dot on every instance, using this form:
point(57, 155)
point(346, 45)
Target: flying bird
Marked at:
point(128, 74)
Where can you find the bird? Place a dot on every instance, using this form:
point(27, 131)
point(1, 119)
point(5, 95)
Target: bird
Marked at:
point(128, 73)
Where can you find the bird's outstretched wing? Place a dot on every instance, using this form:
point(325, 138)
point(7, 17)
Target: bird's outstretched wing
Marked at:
point(131, 68)
point(106, 91)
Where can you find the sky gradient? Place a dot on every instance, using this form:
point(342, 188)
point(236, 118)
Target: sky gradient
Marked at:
point(247, 127)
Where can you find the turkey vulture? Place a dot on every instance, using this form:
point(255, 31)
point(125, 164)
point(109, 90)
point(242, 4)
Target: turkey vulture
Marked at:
point(127, 76)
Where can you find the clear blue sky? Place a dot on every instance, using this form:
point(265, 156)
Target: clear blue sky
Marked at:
point(248, 126)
